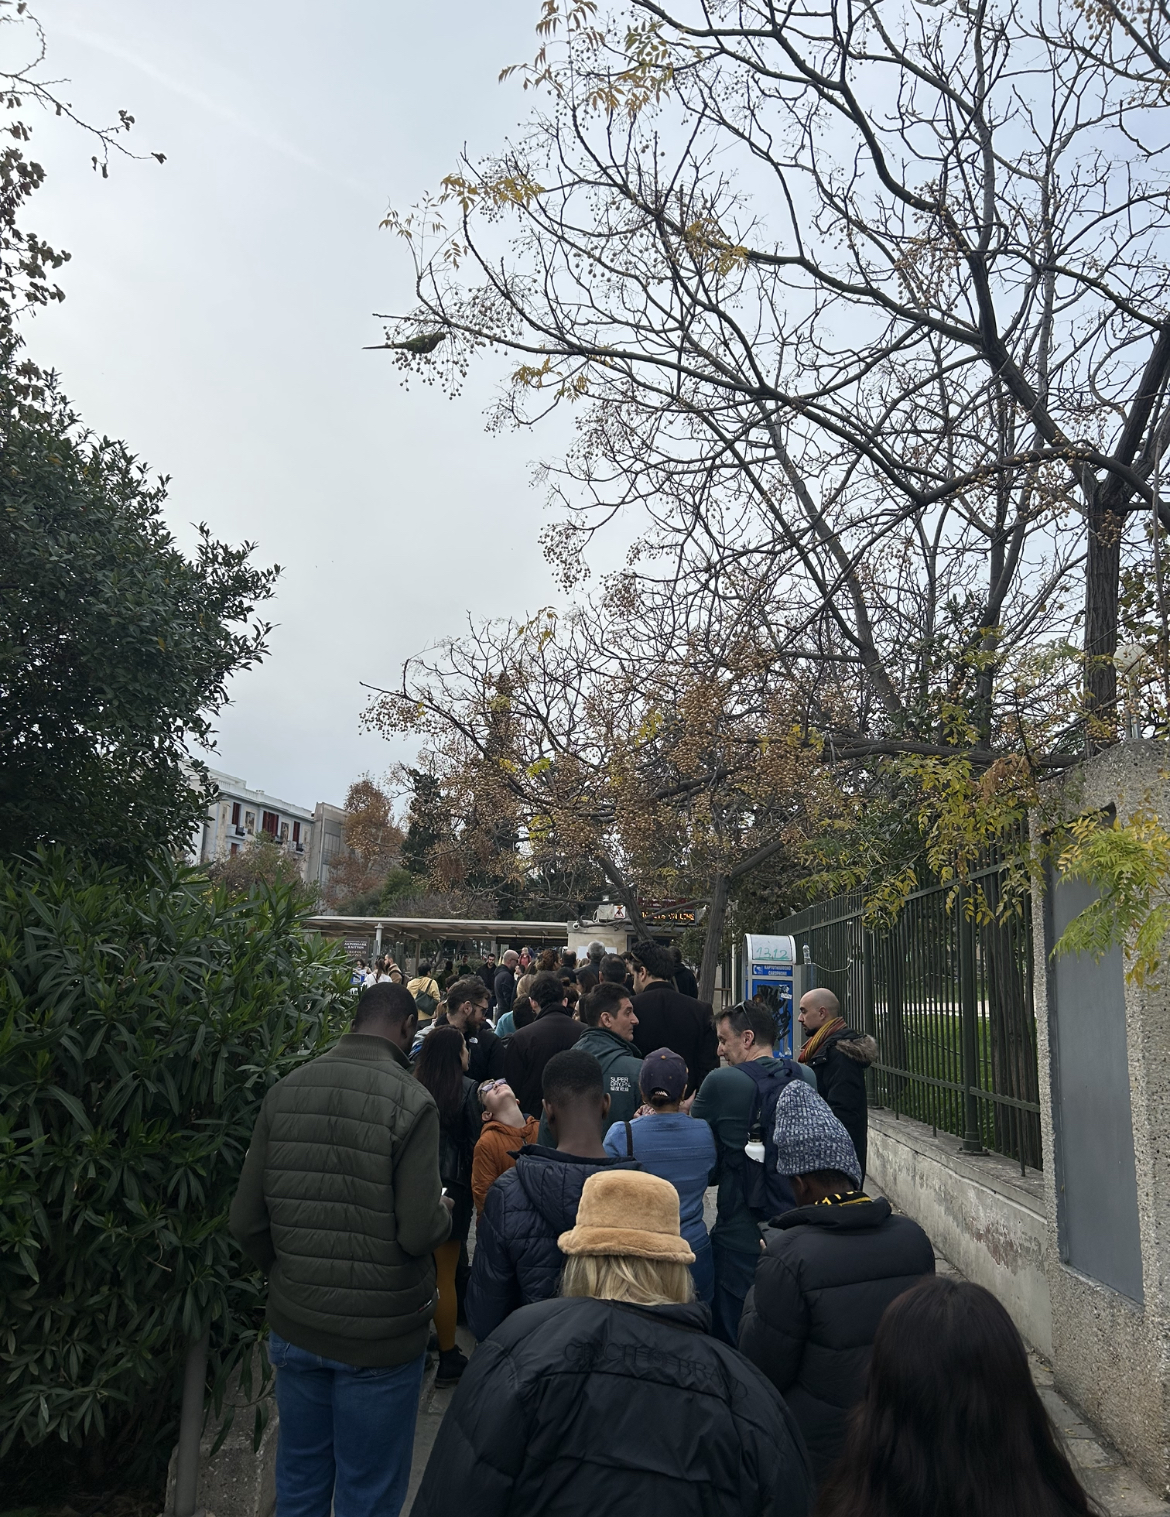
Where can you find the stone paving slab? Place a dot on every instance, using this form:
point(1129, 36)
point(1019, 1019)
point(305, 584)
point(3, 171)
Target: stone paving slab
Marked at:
point(1121, 1494)
point(432, 1407)
point(1101, 1469)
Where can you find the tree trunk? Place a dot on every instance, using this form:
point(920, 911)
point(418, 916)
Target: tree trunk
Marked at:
point(716, 916)
point(1102, 575)
point(627, 893)
point(93, 1458)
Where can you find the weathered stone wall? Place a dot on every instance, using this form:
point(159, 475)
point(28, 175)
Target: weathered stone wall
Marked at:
point(1111, 1355)
point(978, 1211)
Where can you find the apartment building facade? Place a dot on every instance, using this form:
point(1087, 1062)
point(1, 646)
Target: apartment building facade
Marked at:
point(240, 814)
point(326, 842)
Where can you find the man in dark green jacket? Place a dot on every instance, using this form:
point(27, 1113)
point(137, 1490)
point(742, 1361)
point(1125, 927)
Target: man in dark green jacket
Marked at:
point(608, 1016)
point(340, 1203)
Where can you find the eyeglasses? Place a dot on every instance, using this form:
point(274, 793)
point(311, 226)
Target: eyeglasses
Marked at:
point(489, 1085)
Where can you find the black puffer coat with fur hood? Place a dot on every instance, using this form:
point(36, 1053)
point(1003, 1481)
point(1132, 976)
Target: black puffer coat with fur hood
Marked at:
point(840, 1066)
point(517, 1260)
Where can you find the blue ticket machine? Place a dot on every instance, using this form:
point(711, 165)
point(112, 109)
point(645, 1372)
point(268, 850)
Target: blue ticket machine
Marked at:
point(770, 969)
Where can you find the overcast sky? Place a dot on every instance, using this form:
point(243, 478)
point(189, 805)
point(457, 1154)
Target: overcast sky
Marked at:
point(217, 308)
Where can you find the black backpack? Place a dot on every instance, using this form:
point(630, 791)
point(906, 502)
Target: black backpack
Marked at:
point(425, 1001)
point(767, 1193)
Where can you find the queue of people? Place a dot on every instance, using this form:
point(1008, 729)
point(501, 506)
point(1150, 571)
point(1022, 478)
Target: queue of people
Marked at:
point(625, 1355)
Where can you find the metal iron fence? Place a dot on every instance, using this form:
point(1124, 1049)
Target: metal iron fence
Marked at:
point(949, 1001)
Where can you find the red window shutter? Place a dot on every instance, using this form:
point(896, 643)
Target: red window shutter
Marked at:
point(296, 832)
point(236, 814)
point(269, 824)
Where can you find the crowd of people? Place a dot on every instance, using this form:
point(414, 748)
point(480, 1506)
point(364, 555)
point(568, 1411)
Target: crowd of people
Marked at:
point(800, 1356)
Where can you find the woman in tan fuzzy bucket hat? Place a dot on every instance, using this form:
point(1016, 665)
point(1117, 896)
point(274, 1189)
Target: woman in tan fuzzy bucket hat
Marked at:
point(615, 1398)
point(626, 1244)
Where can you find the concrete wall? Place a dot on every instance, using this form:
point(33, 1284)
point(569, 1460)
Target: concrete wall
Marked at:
point(977, 1210)
point(1110, 1354)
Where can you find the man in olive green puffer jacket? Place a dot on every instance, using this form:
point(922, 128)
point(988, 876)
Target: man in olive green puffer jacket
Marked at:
point(340, 1203)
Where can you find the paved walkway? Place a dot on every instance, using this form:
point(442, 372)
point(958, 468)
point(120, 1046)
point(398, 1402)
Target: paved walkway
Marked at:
point(1101, 1469)
point(431, 1408)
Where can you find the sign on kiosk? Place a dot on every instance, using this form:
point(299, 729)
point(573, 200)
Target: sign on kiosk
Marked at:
point(770, 964)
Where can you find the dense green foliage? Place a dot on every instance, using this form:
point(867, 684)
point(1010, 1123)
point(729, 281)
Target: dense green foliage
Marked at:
point(1129, 865)
point(428, 822)
point(115, 648)
point(141, 1021)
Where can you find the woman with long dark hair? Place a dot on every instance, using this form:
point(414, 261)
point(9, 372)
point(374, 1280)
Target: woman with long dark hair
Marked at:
point(442, 1068)
point(951, 1425)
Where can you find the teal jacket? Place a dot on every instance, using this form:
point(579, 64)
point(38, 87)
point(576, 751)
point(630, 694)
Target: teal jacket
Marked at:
point(621, 1064)
point(725, 1100)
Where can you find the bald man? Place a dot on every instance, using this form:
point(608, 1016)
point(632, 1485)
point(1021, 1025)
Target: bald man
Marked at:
point(838, 1056)
point(505, 985)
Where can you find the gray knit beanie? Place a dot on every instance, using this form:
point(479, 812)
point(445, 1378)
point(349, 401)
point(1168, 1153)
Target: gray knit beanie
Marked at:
point(809, 1137)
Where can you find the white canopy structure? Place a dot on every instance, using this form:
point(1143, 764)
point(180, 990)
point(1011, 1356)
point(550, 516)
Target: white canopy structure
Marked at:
point(451, 929)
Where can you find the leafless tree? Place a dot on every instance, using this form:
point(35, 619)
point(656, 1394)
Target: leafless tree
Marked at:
point(862, 312)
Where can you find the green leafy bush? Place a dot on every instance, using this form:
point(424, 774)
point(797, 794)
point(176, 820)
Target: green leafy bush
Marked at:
point(141, 1021)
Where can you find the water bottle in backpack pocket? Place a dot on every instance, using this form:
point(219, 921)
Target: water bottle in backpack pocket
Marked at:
point(766, 1193)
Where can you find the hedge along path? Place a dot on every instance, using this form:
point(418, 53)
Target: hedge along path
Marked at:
point(142, 1019)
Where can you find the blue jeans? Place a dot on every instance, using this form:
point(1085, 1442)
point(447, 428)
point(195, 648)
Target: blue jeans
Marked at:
point(734, 1273)
point(346, 1434)
point(703, 1272)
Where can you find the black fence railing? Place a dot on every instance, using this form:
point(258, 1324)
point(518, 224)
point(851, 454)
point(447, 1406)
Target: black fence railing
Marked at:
point(949, 1000)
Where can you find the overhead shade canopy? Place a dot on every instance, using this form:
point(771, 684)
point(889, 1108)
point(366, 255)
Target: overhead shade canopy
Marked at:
point(439, 927)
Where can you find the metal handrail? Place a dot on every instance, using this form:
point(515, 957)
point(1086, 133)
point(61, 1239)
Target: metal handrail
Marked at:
point(968, 1090)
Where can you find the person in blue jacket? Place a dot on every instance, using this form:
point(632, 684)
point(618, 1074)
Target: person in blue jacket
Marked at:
point(675, 1147)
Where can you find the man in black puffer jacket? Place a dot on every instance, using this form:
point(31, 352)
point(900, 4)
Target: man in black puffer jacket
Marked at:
point(832, 1266)
point(530, 1048)
point(838, 1056)
point(517, 1260)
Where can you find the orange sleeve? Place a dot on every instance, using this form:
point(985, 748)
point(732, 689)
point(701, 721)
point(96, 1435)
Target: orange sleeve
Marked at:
point(493, 1156)
point(488, 1163)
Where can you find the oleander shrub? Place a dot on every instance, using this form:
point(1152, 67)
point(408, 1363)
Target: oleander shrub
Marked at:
point(142, 1018)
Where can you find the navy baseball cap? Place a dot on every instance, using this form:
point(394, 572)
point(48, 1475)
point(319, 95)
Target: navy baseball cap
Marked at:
point(663, 1070)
